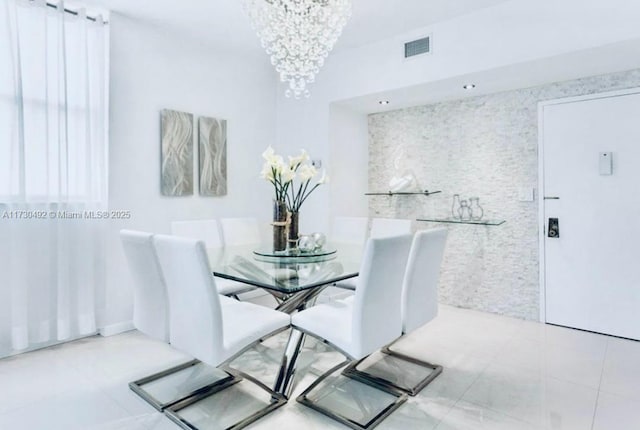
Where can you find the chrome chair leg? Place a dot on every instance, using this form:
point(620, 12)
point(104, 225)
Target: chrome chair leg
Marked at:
point(377, 419)
point(172, 409)
point(352, 372)
point(231, 378)
point(138, 385)
point(277, 400)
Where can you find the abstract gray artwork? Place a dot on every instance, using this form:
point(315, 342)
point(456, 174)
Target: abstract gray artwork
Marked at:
point(177, 153)
point(213, 156)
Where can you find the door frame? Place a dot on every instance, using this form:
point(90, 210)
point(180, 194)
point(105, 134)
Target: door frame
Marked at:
point(540, 194)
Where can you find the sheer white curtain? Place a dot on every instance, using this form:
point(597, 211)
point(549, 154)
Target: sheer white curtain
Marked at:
point(53, 172)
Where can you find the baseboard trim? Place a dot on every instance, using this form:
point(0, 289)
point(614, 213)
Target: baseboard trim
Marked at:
point(117, 328)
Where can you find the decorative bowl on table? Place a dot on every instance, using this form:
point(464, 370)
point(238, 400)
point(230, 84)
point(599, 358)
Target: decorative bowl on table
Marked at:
point(319, 240)
point(306, 243)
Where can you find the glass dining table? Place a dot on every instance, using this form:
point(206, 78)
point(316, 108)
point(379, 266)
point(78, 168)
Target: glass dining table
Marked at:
point(294, 278)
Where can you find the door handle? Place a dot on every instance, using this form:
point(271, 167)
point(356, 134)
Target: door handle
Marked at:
point(551, 198)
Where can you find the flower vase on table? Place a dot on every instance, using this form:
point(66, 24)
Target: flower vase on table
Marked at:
point(293, 230)
point(292, 184)
point(279, 225)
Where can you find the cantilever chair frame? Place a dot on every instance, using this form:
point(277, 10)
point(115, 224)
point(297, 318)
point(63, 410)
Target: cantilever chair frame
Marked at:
point(233, 376)
point(352, 372)
point(377, 419)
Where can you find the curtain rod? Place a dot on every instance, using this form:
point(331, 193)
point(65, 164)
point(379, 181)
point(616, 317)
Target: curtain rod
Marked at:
point(73, 12)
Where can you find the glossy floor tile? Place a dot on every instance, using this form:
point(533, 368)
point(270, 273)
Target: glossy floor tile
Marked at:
point(499, 373)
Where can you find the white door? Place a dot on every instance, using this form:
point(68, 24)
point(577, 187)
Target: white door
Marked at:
point(592, 270)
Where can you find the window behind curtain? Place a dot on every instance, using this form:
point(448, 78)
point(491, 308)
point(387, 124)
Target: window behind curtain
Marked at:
point(52, 107)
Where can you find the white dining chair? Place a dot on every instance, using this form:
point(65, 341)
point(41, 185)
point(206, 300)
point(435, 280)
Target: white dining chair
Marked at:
point(240, 231)
point(208, 231)
point(380, 227)
point(213, 328)
point(358, 327)
point(419, 305)
point(150, 304)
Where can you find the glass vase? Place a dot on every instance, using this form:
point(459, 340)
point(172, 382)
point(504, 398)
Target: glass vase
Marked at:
point(464, 213)
point(476, 210)
point(279, 225)
point(455, 207)
point(293, 230)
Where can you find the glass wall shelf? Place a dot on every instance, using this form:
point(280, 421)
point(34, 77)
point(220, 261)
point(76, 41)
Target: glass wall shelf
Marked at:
point(404, 193)
point(494, 222)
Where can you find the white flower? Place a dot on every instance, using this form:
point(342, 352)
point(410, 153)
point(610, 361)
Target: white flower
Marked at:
point(267, 172)
point(287, 174)
point(294, 161)
point(324, 179)
point(269, 154)
point(307, 172)
point(284, 175)
point(277, 162)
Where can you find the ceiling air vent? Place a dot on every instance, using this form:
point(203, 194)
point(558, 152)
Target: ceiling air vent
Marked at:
point(417, 47)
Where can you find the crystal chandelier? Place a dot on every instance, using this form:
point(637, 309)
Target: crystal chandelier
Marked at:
point(298, 35)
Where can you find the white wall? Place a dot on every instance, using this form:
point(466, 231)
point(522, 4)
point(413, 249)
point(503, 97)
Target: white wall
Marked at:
point(347, 129)
point(487, 147)
point(509, 33)
point(152, 70)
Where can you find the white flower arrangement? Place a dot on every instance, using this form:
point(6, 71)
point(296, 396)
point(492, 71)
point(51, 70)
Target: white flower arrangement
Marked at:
point(283, 177)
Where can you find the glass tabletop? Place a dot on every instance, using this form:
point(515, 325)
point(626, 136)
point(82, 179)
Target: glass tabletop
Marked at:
point(285, 275)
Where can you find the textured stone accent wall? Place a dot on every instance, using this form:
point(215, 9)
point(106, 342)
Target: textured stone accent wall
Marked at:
point(485, 146)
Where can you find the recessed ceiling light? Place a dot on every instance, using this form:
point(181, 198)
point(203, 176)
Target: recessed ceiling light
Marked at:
point(384, 102)
point(469, 86)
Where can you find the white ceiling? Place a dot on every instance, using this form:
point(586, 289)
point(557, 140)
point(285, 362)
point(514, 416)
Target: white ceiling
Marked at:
point(223, 22)
point(612, 58)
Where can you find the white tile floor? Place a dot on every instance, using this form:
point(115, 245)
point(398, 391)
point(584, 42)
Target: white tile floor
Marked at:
point(500, 373)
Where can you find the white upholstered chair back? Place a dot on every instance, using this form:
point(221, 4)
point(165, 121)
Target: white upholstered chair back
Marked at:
point(195, 317)
point(206, 230)
point(386, 227)
point(376, 308)
point(240, 231)
point(150, 303)
point(420, 290)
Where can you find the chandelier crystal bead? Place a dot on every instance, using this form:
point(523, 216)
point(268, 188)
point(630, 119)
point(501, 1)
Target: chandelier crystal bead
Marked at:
point(298, 35)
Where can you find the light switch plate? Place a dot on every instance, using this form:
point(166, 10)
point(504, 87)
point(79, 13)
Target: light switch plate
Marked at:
point(526, 194)
point(605, 161)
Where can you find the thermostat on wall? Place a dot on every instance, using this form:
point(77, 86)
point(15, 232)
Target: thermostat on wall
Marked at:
point(606, 163)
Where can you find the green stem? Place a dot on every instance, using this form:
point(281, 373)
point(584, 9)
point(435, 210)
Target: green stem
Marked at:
point(309, 193)
point(299, 197)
